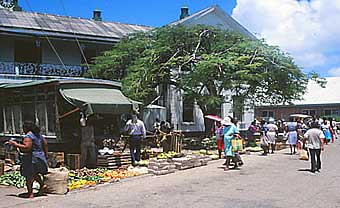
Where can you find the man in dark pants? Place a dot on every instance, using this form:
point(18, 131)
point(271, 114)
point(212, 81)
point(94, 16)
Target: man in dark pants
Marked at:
point(136, 129)
point(315, 138)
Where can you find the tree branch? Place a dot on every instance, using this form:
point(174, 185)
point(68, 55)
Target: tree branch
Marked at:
point(253, 58)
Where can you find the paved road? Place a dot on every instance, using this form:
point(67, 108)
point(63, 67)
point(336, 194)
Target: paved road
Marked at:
point(278, 180)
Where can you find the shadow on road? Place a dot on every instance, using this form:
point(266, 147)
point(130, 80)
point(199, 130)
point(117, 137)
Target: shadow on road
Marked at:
point(25, 195)
point(305, 170)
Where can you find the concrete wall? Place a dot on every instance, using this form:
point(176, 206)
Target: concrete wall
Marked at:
point(67, 50)
point(6, 49)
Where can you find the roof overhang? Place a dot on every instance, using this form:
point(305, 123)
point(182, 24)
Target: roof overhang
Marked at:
point(57, 35)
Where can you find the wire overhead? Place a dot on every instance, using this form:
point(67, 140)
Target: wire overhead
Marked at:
point(47, 38)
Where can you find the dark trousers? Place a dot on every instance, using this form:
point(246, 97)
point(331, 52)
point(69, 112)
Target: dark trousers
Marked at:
point(135, 148)
point(315, 164)
point(272, 146)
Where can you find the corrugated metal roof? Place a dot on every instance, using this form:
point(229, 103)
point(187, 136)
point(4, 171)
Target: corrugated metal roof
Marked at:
point(317, 95)
point(28, 22)
point(230, 23)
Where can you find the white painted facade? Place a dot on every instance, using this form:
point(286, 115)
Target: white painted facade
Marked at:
point(213, 16)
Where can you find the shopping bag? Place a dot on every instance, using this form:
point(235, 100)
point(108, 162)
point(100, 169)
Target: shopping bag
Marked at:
point(264, 141)
point(237, 145)
point(303, 155)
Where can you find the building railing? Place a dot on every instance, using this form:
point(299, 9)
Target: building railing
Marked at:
point(19, 68)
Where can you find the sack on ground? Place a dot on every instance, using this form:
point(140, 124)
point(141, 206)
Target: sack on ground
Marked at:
point(56, 180)
point(303, 155)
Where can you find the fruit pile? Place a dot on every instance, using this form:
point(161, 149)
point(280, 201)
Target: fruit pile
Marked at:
point(253, 149)
point(13, 179)
point(171, 154)
point(83, 178)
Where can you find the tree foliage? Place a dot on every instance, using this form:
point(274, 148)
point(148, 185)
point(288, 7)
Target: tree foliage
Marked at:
point(202, 61)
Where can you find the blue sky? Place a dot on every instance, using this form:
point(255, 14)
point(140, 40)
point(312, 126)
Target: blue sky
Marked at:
point(145, 12)
point(304, 28)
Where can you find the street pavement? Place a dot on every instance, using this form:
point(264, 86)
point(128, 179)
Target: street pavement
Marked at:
point(278, 180)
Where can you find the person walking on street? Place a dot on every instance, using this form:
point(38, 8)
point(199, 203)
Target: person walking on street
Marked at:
point(34, 162)
point(252, 129)
point(264, 139)
point(272, 134)
point(326, 131)
point(229, 132)
point(136, 130)
point(315, 137)
point(219, 138)
point(292, 135)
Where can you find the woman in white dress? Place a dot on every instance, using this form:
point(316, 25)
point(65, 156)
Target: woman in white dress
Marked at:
point(291, 130)
point(272, 134)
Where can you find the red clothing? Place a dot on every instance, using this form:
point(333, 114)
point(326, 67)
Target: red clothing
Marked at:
point(220, 144)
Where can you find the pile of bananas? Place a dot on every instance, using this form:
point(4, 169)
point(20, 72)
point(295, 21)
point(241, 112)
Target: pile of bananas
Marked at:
point(167, 155)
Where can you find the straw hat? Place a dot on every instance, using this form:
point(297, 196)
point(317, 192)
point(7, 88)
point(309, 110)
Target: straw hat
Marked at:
point(226, 121)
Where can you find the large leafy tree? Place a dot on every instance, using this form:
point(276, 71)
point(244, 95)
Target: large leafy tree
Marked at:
point(202, 61)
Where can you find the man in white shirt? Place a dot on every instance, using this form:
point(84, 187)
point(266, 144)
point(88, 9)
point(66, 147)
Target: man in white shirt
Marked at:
point(136, 130)
point(315, 138)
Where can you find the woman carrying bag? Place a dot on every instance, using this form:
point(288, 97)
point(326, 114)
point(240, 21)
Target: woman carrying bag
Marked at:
point(34, 161)
point(229, 132)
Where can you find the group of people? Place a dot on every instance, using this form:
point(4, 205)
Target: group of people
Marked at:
point(309, 134)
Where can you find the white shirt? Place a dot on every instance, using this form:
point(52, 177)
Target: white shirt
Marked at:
point(135, 128)
point(314, 137)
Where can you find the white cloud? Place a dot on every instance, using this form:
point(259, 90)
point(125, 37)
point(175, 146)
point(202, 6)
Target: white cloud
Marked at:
point(309, 30)
point(335, 72)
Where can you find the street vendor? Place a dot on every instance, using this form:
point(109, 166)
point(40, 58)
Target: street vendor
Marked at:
point(136, 130)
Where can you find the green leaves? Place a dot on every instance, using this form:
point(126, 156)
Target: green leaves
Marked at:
point(202, 61)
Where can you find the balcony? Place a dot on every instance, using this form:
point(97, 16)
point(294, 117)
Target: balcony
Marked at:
point(17, 68)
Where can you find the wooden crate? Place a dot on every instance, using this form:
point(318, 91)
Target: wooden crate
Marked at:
point(114, 161)
point(73, 161)
point(12, 155)
point(2, 167)
point(56, 159)
point(2, 153)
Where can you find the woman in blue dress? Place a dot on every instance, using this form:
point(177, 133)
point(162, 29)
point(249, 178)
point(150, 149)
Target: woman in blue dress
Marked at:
point(229, 132)
point(34, 162)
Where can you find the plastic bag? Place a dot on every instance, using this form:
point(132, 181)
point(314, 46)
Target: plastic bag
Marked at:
point(237, 145)
point(303, 155)
point(264, 141)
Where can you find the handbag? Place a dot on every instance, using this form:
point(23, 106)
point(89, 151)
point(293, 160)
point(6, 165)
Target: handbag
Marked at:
point(237, 145)
point(264, 140)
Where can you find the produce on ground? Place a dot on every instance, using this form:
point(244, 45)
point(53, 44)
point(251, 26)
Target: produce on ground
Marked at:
point(83, 178)
point(144, 163)
point(166, 155)
point(13, 179)
point(214, 157)
point(253, 149)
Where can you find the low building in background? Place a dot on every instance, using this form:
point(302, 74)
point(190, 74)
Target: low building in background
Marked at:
point(318, 101)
